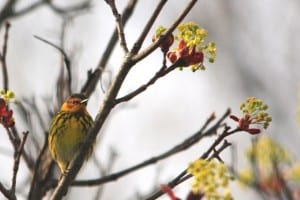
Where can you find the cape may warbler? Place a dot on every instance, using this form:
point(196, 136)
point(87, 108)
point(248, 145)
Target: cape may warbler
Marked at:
point(68, 130)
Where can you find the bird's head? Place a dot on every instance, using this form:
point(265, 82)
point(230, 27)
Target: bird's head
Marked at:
point(75, 103)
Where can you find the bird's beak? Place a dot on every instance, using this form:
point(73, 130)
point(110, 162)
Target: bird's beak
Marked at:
point(84, 101)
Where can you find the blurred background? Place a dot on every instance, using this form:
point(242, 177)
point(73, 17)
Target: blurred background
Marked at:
point(257, 55)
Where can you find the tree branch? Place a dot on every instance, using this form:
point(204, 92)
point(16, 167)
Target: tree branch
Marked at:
point(187, 143)
point(28, 8)
point(93, 77)
point(120, 27)
point(17, 161)
point(138, 44)
point(9, 12)
point(3, 57)
point(6, 192)
point(183, 177)
point(162, 72)
point(155, 44)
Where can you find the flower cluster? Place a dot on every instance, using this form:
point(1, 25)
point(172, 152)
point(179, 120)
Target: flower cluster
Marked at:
point(254, 112)
point(190, 50)
point(267, 152)
point(167, 42)
point(266, 157)
point(6, 115)
point(211, 179)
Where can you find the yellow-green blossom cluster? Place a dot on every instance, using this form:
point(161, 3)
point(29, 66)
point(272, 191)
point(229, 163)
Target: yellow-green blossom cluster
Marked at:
point(246, 176)
point(211, 178)
point(294, 172)
point(256, 109)
point(267, 152)
point(8, 96)
point(194, 36)
point(191, 33)
point(159, 31)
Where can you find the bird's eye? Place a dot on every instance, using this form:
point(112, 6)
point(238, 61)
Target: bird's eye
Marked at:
point(75, 102)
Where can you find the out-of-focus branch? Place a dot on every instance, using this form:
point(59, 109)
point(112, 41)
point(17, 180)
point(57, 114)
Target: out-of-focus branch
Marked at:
point(120, 27)
point(66, 60)
point(93, 77)
point(8, 11)
point(85, 5)
point(3, 57)
point(7, 192)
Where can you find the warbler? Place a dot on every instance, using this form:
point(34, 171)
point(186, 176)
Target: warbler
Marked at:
point(68, 130)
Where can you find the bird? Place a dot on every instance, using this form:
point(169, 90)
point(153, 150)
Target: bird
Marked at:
point(68, 131)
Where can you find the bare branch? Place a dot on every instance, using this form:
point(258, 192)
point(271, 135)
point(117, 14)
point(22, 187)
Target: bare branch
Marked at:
point(159, 74)
point(3, 57)
point(93, 77)
point(28, 9)
point(120, 26)
point(9, 12)
point(6, 192)
point(138, 44)
point(17, 161)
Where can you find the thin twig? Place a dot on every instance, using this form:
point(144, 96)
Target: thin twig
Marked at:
point(85, 5)
point(93, 77)
point(160, 73)
point(7, 192)
point(66, 59)
point(155, 44)
point(120, 26)
point(184, 175)
point(139, 42)
point(11, 138)
point(3, 57)
point(28, 9)
point(17, 161)
point(9, 11)
point(212, 130)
